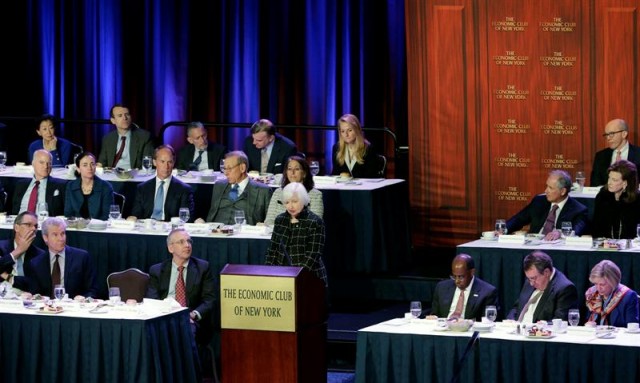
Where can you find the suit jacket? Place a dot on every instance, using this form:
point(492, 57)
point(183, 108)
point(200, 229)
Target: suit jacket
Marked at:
point(559, 296)
point(283, 148)
point(141, 145)
point(369, 169)
point(482, 295)
point(602, 161)
point(200, 288)
point(79, 274)
point(54, 195)
point(615, 219)
point(6, 247)
point(100, 199)
point(257, 195)
point(625, 312)
point(215, 153)
point(535, 214)
point(179, 195)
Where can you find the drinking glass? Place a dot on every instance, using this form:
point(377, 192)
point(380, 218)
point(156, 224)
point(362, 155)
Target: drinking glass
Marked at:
point(314, 166)
point(3, 159)
point(146, 164)
point(222, 165)
point(501, 226)
point(638, 231)
point(114, 212)
point(416, 309)
point(574, 317)
point(42, 210)
point(58, 292)
point(184, 215)
point(580, 178)
point(4, 288)
point(566, 228)
point(239, 217)
point(491, 312)
point(114, 295)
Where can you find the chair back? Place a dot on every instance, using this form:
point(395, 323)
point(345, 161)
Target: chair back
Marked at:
point(132, 283)
point(382, 161)
point(119, 200)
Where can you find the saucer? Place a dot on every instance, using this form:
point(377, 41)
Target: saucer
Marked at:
point(636, 331)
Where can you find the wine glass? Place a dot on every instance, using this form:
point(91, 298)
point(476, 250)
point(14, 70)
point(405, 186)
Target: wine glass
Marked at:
point(574, 317)
point(42, 210)
point(239, 217)
point(184, 215)
point(114, 295)
point(638, 232)
point(314, 166)
point(114, 212)
point(501, 226)
point(416, 309)
point(580, 179)
point(3, 159)
point(566, 228)
point(146, 164)
point(58, 292)
point(491, 312)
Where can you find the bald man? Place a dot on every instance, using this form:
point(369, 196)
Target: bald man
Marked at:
point(616, 134)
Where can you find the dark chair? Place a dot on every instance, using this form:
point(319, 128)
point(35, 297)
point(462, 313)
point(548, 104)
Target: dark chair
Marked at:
point(382, 161)
point(75, 150)
point(3, 197)
point(119, 200)
point(132, 283)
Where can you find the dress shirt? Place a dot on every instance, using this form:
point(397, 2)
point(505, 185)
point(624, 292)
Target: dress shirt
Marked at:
point(167, 181)
point(174, 278)
point(241, 185)
point(456, 295)
point(204, 164)
point(528, 316)
point(52, 260)
point(560, 206)
point(42, 194)
point(125, 160)
point(624, 153)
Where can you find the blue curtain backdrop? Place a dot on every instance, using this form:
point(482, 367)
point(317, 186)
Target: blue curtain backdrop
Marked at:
point(292, 61)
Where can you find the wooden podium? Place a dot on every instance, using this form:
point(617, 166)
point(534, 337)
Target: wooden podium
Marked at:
point(273, 321)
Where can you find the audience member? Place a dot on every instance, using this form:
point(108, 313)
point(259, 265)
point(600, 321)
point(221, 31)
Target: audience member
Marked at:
point(298, 234)
point(616, 211)
point(615, 132)
point(162, 197)
point(61, 264)
point(88, 196)
point(187, 279)
point(464, 295)
point(609, 301)
point(59, 148)
point(127, 145)
point(545, 213)
point(546, 294)
point(199, 154)
point(353, 155)
point(238, 192)
point(267, 150)
point(29, 193)
point(296, 169)
point(19, 251)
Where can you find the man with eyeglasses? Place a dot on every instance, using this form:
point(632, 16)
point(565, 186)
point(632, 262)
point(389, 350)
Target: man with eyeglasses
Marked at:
point(238, 192)
point(200, 154)
point(464, 295)
point(546, 294)
point(18, 252)
point(619, 148)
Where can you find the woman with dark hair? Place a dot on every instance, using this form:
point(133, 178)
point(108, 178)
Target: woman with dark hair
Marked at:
point(353, 155)
point(617, 207)
point(88, 196)
point(59, 148)
point(296, 169)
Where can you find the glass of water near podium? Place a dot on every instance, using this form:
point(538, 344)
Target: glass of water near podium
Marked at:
point(501, 226)
point(580, 179)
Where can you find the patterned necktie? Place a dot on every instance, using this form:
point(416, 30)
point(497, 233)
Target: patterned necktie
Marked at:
point(33, 198)
point(158, 203)
point(534, 298)
point(618, 155)
point(196, 163)
point(457, 313)
point(181, 291)
point(55, 274)
point(233, 194)
point(550, 223)
point(119, 154)
point(264, 160)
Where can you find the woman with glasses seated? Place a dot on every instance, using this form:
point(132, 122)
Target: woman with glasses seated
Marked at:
point(88, 196)
point(609, 301)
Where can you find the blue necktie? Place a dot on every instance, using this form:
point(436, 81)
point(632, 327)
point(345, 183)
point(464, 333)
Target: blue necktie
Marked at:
point(233, 194)
point(196, 163)
point(157, 205)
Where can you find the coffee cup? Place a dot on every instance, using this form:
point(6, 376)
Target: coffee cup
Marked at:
point(149, 224)
point(633, 326)
point(488, 234)
point(557, 324)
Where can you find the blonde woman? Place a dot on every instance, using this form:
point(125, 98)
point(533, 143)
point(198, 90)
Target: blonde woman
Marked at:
point(353, 155)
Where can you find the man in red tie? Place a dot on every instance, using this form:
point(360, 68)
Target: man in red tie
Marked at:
point(616, 133)
point(189, 280)
point(546, 212)
point(28, 193)
point(127, 145)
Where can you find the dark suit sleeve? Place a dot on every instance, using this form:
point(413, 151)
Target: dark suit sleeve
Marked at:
point(208, 290)
point(260, 210)
point(183, 158)
point(154, 282)
point(521, 219)
point(435, 303)
point(106, 200)
point(601, 163)
point(2, 201)
point(566, 298)
point(90, 281)
point(186, 200)
point(106, 156)
point(579, 217)
point(138, 205)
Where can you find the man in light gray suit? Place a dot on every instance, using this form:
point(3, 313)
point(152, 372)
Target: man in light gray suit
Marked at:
point(238, 193)
point(127, 145)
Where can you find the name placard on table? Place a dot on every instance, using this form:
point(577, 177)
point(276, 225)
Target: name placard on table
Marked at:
point(517, 239)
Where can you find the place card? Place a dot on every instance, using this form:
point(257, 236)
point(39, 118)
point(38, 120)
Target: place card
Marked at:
point(591, 190)
point(25, 169)
point(325, 180)
point(123, 224)
point(260, 230)
point(517, 239)
point(15, 303)
point(193, 227)
point(584, 241)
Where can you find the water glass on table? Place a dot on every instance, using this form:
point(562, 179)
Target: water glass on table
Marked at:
point(501, 226)
point(491, 313)
point(580, 179)
point(238, 216)
point(42, 210)
point(3, 159)
point(566, 227)
point(184, 214)
point(314, 166)
point(58, 292)
point(574, 317)
point(416, 309)
point(114, 295)
point(147, 163)
point(114, 212)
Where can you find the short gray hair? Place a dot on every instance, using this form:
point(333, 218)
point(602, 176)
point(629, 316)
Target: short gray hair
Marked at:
point(295, 189)
point(564, 179)
point(53, 221)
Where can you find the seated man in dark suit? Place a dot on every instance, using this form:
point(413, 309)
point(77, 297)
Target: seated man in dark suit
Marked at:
point(547, 294)
point(19, 251)
point(545, 213)
point(196, 290)
point(464, 295)
point(162, 197)
point(127, 145)
point(239, 192)
point(62, 264)
point(199, 154)
point(267, 150)
point(615, 132)
point(29, 193)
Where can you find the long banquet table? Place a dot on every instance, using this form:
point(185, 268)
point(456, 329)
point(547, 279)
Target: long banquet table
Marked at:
point(399, 351)
point(84, 347)
point(501, 265)
point(367, 222)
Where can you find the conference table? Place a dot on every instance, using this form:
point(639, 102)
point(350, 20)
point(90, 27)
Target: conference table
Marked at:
point(367, 221)
point(77, 345)
point(400, 351)
point(501, 265)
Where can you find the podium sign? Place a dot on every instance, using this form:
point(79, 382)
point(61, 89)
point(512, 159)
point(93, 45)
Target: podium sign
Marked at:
point(250, 302)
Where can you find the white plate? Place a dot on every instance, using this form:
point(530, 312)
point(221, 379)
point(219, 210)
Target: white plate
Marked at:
point(540, 337)
point(489, 240)
point(632, 331)
point(437, 328)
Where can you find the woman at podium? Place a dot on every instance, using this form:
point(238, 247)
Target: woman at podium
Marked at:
point(298, 234)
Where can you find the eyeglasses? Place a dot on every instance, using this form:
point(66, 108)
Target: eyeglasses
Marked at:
point(228, 168)
point(533, 279)
point(34, 225)
point(457, 277)
point(183, 242)
point(611, 134)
